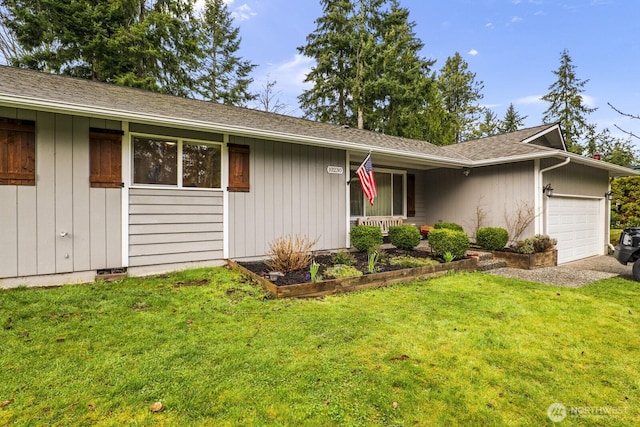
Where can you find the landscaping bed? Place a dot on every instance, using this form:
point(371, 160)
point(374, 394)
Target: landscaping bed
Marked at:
point(298, 283)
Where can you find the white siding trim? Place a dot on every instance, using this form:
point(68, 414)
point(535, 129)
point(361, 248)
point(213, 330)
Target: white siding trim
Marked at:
point(225, 196)
point(538, 199)
point(347, 173)
point(126, 179)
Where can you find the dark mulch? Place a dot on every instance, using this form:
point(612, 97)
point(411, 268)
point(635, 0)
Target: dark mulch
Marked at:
point(361, 263)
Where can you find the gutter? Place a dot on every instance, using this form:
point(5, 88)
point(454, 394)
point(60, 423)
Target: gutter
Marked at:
point(124, 115)
point(559, 165)
point(66, 108)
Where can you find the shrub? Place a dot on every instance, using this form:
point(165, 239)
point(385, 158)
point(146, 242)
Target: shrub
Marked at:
point(341, 271)
point(290, 253)
point(407, 261)
point(492, 238)
point(366, 237)
point(543, 243)
point(444, 240)
point(448, 226)
point(343, 257)
point(404, 237)
point(535, 244)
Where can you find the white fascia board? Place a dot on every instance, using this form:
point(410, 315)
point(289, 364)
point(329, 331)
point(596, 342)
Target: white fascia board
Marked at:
point(555, 128)
point(599, 164)
point(67, 108)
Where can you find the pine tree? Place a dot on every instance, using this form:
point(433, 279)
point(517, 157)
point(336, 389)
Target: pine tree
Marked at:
point(224, 75)
point(460, 92)
point(567, 104)
point(368, 73)
point(140, 43)
point(489, 126)
point(402, 80)
point(512, 120)
point(333, 74)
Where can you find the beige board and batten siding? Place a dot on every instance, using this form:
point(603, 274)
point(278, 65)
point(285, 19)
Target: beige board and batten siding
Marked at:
point(291, 193)
point(575, 179)
point(60, 225)
point(495, 192)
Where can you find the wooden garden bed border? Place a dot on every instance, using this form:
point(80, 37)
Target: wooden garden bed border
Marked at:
point(528, 261)
point(335, 286)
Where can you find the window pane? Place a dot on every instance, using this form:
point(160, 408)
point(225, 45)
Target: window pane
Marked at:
point(382, 203)
point(155, 161)
point(398, 194)
point(356, 197)
point(201, 166)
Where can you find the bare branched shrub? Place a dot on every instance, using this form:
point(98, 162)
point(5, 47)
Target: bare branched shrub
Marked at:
point(480, 218)
point(290, 253)
point(517, 221)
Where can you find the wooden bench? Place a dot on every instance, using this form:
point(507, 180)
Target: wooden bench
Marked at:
point(384, 222)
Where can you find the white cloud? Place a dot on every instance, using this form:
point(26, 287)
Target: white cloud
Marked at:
point(515, 19)
point(243, 12)
point(530, 100)
point(240, 13)
point(589, 101)
point(516, 2)
point(473, 52)
point(490, 25)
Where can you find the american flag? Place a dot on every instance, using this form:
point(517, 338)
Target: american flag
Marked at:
point(367, 181)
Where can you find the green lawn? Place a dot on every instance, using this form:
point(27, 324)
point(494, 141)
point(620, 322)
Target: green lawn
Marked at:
point(462, 349)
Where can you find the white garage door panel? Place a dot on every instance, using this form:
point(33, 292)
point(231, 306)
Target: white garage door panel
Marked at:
point(578, 226)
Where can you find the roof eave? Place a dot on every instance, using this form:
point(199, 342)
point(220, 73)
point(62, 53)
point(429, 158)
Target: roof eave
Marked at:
point(124, 115)
point(614, 170)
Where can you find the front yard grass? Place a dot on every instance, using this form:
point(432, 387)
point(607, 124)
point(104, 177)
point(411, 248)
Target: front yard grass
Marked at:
point(461, 349)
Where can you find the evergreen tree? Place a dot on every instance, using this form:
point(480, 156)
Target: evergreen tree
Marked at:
point(399, 90)
point(512, 120)
point(140, 43)
point(368, 73)
point(330, 99)
point(611, 149)
point(489, 126)
point(224, 76)
point(460, 92)
point(567, 104)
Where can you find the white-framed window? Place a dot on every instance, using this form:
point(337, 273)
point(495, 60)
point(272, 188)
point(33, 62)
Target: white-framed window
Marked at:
point(391, 186)
point(176, 162)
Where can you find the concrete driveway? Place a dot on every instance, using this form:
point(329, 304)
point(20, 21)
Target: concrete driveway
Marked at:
point(603, 263)
point(572, 274)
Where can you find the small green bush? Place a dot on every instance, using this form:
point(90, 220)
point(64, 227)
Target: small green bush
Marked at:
point(366, 237)
point(404, 237)
point(445, 240)
point(343, 257)
point(407, 261)
point(448, 226)
point(535, 244)
point(341, 271)
point(492, 238)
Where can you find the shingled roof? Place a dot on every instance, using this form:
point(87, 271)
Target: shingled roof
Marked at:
point(28, 89)
point(514, 144)
point(79, 95)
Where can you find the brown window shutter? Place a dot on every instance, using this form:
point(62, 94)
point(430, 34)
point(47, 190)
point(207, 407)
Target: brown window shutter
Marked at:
point(238, 168)
point(105, 156)
point(17, 152)
point(411, 195)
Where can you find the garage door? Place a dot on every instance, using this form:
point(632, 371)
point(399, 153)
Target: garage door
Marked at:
point(578, 224)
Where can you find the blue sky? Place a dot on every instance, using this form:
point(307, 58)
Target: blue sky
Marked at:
point(513, 46)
